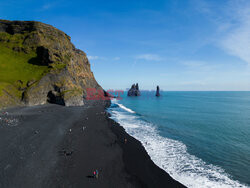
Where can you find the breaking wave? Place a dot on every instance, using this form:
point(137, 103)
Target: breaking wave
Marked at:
point(171, 155)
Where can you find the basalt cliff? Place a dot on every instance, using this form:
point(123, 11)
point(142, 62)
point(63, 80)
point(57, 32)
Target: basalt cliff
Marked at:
point(39, 64)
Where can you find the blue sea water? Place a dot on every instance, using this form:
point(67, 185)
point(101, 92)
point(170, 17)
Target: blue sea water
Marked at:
point(202, 139)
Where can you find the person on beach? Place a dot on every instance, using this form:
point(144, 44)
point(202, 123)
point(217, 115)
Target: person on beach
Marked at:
point(94, 174)
point(97, 173)
point(125, 140)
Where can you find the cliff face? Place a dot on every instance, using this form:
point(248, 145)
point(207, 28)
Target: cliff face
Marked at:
point(39, 64)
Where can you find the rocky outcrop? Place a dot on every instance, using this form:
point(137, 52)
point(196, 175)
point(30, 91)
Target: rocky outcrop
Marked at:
point(53, 69)
point(157, 91)
point(134, 90)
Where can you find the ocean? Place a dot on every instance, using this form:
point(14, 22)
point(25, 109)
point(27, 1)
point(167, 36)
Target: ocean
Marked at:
point(202, 139)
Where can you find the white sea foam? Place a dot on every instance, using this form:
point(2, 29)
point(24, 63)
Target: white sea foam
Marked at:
point(125, 108)
point(172, 155)
point(122, 106)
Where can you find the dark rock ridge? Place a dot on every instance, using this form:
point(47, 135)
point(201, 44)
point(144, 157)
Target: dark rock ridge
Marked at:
point(157, 91)
point(67, 72)
point(134, 90)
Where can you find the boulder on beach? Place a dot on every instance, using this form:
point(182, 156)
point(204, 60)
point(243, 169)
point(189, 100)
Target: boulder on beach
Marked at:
point(134, 90)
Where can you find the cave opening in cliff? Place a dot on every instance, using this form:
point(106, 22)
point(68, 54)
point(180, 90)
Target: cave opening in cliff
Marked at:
point(55, 98)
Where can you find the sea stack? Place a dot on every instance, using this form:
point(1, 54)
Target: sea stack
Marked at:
point(157, 91)
point(134, 90)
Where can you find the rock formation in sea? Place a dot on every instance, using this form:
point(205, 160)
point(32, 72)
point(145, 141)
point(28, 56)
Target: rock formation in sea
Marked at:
point(39, 64)
point(134, 90)
point(157, 91)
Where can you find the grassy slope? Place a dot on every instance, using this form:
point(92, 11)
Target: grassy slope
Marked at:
point(14, 66)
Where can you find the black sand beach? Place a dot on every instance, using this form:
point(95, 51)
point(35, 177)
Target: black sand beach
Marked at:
point(56, 146)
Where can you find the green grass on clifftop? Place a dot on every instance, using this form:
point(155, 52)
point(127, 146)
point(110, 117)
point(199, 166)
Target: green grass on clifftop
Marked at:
point(15, 66)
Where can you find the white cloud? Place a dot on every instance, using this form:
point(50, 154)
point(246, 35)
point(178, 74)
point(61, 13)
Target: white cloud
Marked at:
point(237, 43)
point(199, 66)
point(232, 22)
point(103, 58)
point(93, 57)
point(236, 40)
point(149, 57)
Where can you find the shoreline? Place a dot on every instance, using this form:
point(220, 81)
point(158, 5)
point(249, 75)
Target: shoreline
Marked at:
point(70, 143)
point(140, 165)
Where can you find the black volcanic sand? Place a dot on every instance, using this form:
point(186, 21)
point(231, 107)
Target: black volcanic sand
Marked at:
point(56, 146)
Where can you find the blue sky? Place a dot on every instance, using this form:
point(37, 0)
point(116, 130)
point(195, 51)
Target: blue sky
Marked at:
point(177, 44)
